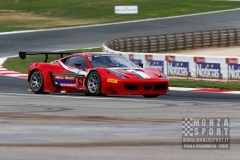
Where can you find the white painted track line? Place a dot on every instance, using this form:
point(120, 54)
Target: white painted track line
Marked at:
point(125, 22)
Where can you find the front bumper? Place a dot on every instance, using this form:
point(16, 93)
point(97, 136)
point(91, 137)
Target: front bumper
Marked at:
point(136, 87)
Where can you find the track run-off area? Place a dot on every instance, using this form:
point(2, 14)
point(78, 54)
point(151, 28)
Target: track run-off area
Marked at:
point(75, 126)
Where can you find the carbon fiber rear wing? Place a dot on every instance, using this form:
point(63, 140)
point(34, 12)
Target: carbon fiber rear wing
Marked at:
point(23, 55)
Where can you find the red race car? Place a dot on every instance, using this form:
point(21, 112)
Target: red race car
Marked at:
point(94, 74)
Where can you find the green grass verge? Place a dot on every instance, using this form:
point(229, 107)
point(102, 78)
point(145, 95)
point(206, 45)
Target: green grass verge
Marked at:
point(190, 83)
point(17, 64)
point(29, 14)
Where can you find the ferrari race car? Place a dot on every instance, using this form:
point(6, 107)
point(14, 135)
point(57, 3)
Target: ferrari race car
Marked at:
point(94, 74)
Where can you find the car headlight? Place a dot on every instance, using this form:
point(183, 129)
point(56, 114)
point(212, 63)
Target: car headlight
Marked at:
point(161, 74)
point(117, 74)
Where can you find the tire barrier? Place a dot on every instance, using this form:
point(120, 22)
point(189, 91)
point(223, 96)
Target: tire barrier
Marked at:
point(172, 42)
point(144, 49)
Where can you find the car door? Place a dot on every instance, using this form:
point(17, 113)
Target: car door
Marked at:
point(70, 67)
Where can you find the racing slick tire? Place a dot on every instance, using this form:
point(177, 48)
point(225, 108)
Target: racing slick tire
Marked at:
point(36, 82)
point(94, 84)
point(150, 95)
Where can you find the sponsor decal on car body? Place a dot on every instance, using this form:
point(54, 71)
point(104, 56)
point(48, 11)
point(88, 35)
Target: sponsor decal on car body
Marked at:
point(67, 85)
point(112, 80)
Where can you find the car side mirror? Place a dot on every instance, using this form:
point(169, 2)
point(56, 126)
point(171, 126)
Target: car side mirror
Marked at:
point(140, 64)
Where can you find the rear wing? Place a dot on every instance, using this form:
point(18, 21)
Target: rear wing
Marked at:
point(23, 55)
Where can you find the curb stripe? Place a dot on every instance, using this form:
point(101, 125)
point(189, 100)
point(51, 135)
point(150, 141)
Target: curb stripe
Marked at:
point(233, 92)
point(9, 72)
point(180, 89)
point(203, 90)
point(14, 75)
point(5, 72)
point(25, 77)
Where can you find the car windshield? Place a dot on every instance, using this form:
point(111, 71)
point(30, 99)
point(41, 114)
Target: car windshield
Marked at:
point(110, 60)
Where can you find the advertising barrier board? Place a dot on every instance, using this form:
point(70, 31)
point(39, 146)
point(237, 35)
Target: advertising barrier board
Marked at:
point(179, 65)
point(126, 9)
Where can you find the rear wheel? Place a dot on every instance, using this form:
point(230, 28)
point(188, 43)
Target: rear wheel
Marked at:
point(94, 83)
point(150, 95)
point(36, 82)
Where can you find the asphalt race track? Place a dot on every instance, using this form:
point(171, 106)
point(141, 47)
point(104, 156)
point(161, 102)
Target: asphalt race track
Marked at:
point(75, 126)
point(84, 37)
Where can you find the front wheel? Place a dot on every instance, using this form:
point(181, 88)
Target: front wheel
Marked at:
point(36, 82)
point(94, 83)
point(150, 95)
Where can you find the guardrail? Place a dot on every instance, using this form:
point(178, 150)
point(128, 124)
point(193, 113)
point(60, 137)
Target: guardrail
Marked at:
point(179, 41)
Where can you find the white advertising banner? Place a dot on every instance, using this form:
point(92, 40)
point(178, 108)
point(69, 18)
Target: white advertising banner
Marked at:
point(126, 9)
point(202, 67)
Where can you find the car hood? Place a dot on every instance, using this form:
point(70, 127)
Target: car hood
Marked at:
point(136, 72)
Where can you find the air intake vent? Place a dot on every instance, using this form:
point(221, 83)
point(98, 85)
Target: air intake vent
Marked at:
point(147, 87)
point(131, 87)
point(160, 87)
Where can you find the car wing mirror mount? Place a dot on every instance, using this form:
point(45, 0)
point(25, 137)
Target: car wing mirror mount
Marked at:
point(77, 65)
point(140, 64)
